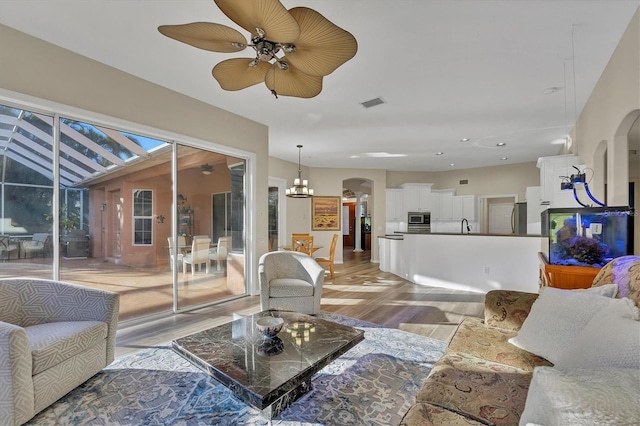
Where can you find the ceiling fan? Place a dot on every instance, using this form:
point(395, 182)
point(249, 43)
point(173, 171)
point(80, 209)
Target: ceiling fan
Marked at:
point(294, 48)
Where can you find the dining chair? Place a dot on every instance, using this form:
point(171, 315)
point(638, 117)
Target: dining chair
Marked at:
point(180, 254)
point(199, 255)
point(302, 243)
point(219, 254)
point(328, 261)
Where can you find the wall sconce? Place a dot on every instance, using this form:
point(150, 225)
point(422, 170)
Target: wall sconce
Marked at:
point(103, 206)
point(160, 219)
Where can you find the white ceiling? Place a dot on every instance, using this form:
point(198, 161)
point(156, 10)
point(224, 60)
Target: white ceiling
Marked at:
point(447, 70)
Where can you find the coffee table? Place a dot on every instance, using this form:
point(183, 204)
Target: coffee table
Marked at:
point(268, 374)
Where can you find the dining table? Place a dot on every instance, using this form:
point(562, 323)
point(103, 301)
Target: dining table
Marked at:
point(291, 248)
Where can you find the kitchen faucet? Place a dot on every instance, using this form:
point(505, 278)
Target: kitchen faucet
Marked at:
point(462, 226)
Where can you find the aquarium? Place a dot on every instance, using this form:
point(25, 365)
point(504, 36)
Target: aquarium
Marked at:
point(589, 236)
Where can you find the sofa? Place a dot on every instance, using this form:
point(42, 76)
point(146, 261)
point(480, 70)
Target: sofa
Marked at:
point(53, 337)
point(487, 377)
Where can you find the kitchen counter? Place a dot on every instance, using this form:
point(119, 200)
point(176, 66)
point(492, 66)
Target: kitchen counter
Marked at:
point(476, 262)
point(392, 237)
point(472, 234)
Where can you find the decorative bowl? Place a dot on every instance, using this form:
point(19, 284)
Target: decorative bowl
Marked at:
point(269, 326)
point(270, 347)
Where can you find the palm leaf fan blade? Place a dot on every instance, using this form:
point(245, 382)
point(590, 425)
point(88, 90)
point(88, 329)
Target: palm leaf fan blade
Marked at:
point(236, 74)
point(322, 46)
point(207, 36)
point(292, 82)
point(270, 15)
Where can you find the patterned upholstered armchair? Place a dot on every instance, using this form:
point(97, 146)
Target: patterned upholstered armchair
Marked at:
point(53, 337)
point(290, 280)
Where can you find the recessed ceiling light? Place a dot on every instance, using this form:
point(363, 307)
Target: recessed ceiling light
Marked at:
point(439, 153)
point(504, 158)
point(501, 144)
point(465, 140)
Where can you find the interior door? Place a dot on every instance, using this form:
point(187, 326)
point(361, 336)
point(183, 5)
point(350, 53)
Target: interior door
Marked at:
point(348, 240)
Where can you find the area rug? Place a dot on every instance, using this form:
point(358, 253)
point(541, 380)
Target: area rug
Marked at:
point(374, 383)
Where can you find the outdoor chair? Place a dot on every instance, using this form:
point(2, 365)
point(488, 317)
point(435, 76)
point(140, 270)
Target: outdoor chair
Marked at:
point(37, 245)
point(7, 247)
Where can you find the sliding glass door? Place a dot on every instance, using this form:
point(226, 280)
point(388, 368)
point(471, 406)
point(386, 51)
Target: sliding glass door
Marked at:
point(117, 222)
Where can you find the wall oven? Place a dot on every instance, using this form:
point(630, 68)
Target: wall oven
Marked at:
point(419, 222)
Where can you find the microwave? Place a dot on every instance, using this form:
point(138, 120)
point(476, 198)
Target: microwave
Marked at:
point(419, 218)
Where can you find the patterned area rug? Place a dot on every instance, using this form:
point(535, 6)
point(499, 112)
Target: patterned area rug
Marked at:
point(374, 383)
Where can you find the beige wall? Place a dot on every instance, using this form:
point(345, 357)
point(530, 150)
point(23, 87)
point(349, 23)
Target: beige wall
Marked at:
point(497, 180)
point(33, 67)
point(329, 182)
point(612, 107)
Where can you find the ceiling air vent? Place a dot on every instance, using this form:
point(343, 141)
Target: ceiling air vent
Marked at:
point(373, 102)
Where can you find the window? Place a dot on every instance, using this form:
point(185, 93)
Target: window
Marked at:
point(142, 217)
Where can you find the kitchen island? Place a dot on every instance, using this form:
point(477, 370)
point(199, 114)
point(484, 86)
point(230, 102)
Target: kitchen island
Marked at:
point(469, 262)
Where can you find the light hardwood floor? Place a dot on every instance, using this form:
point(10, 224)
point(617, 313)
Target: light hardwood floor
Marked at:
point(359, 290)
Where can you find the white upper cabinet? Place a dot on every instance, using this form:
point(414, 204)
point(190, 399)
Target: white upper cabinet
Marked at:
point(395, 206)
point(553, 171)
point(464, 207)
point(446, 203)
point(434, 202)
point(417, 197)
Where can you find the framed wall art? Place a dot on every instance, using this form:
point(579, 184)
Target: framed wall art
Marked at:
point(325, 213)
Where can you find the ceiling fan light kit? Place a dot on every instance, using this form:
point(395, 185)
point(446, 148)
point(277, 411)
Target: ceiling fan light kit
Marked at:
point(294, 49)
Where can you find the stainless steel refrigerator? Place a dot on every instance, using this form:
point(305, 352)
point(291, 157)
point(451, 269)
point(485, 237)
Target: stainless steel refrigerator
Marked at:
point(519, 219)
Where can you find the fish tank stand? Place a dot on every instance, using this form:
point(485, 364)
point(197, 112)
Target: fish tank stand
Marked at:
point(566, 277)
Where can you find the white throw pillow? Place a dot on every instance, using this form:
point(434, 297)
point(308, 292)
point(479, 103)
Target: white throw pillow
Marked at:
point(557, 317)
point(611, 339)
point(607, 290)
point(583, 397)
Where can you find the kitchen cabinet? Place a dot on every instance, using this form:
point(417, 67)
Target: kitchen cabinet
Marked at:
point(434, 201)
point(464, 207)
point(395, 205)
point(552, 172)
point(446, 203)
point(417, 197)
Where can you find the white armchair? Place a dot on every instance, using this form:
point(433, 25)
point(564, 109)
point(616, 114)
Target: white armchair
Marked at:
point(53, 337)
point(290, 281)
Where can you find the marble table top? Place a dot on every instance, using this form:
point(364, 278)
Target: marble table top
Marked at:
point(263, 371)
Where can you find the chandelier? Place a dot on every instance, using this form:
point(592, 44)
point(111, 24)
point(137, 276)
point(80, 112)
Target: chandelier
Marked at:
point(299, 188)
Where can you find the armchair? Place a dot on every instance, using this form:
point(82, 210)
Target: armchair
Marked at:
point(37, 244)
point(290, 281)
point(7, 246)
point(53, 337)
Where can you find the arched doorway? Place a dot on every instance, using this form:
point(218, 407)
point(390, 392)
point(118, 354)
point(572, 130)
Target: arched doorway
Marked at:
point(357, 214)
